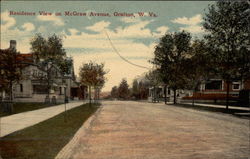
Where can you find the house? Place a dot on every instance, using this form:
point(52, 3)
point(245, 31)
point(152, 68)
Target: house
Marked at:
point(215, 90)
point(43, 81)
point(157, 94)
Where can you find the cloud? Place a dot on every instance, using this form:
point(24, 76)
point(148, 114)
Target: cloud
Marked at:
point(98, 48)
point(193, 29)
point(73, 31)
point(130, 20)
point(57, 21)
point(192, 24)
point(188, 21)
point(9, 21)
point(99, 26)
point(28, 26)
point(9, 31)
point(162, 30)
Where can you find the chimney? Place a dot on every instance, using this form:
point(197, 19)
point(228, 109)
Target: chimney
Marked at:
point(13, 44)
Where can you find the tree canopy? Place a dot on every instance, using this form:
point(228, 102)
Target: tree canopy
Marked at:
point(227, 31)
point(170, 58)
point(51, 49)
point(10, 70)
point(92, 75)
point(123, 89)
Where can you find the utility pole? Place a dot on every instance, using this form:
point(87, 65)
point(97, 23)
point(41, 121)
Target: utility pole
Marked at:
point(65, 108)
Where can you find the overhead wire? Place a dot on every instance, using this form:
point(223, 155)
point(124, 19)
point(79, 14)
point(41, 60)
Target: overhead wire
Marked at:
point(123, 58)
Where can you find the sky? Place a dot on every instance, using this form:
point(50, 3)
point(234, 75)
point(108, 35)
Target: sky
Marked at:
point(86, 38)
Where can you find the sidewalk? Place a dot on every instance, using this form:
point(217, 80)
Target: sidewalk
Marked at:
point(12, 123)
point(219, 106)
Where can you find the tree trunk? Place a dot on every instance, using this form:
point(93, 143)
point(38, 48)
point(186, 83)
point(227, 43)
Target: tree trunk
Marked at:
point(154, 94)
point(193, 98)
point(11, 99)
point(227, 98)
point(165, 93)
point(90, 95)
point(174, 96)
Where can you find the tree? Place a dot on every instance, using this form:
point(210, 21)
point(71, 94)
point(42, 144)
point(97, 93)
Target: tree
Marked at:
point(114, 92)
point(92, 75)
point(10, 71)
point(50, 54)
point(227, 26)
point(135, 89)
point(170, 57)
point(198, 66)
point(123, 89)
point(143, 89)
point(51, 50)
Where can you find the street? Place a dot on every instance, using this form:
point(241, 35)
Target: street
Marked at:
point(137, 130)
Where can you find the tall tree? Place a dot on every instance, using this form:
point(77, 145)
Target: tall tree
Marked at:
point(198, 66)
point(227, 26)
point(170, 55)
point(10, 71)
point(51, 50)
point(123, 89)
point(92, 75)
point(135, 89)
point(114, 92)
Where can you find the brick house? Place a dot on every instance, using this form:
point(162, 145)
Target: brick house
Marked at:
point(216, 89)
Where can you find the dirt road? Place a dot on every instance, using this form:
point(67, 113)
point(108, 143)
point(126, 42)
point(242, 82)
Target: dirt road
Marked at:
point(133, 130)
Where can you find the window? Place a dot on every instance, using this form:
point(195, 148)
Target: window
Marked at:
point(169, 92)
point(236, 86)
point(214, 85)
point(61, 90)
point(21, 87)
point(40, 89)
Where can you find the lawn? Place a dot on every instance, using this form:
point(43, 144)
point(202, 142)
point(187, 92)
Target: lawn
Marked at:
point(23, 107)
point(46, 139)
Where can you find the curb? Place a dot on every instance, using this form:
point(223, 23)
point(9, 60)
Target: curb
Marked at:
point(67, 151)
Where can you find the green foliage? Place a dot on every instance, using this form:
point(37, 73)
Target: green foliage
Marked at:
point(10, 70)
point(154, 77)
point(140, 88)
point(51, 49)
point(114, 92)
point(227, 26)
point(200, 64)
point(123, 90)
point(92, 74)
point(170, 57)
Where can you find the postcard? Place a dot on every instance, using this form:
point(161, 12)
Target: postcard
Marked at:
point(124, 79)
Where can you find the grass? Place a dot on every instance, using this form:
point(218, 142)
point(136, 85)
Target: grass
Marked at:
point(23, 107)
point(46, 139)
point(235, 112)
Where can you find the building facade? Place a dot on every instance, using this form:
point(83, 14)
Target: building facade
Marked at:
point(43, 81)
